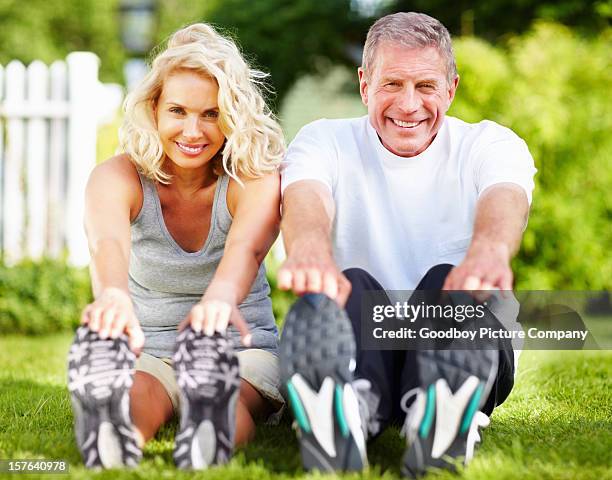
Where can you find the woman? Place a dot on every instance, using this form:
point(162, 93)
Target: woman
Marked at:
point(178, 227)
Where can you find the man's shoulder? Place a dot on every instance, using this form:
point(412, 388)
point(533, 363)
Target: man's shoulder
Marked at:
point(333, 127)
point(485, 131)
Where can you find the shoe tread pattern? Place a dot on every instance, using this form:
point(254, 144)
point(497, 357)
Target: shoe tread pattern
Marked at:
point(207, 372)
point(318, 342)
point(100, 375)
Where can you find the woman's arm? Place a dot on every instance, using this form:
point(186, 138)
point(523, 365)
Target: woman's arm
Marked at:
point(112, 197)
point(256, 218)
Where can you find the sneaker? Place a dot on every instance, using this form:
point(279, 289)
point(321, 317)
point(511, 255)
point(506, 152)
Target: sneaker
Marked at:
point(317, 360)
point(207, 374)
point(442, 424)
point(100, 375)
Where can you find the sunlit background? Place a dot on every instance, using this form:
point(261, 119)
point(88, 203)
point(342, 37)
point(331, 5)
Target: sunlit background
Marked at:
point(542, 68)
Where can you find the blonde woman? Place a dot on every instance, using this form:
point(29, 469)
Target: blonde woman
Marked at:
point(178, 226)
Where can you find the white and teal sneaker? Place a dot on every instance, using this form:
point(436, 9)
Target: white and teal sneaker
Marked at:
point(317, 360)
point(442, 424)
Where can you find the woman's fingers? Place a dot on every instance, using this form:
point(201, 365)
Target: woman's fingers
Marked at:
point(119, 324)
point(215, 316)
point(223, 318)
point(196, 317)
point(95, 318)
point(135, 334)
point(85, 315)
point(107, 316)
point(211, 310)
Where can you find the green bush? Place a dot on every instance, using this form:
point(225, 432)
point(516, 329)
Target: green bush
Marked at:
point(48, 30)
point(42, 297)
point(48, 296)
point(551, 87)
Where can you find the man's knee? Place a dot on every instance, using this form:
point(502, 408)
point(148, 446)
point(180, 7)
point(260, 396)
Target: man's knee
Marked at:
point(356, 274)
point(361, 279)
point(435, 277)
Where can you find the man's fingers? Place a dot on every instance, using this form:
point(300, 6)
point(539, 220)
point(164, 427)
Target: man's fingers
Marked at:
point(330, 285)
point(299, 281)
point(314, 280)
point(285, 279)
point(505, 282)
point(471, 282)
point(454, 280)
point(344, 290)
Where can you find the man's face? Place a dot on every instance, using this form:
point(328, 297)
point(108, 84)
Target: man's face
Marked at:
point(407, 95)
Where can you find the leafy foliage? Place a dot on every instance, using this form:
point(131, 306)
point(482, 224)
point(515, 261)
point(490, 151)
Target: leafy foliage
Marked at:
point(42, 297)
point(48, 30)
point(495, 18)
point(550, 87)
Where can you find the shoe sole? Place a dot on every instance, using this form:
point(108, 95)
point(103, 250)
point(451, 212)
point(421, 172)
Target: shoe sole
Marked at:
point(317, 360)
point(207, 373)
point(100, 375)
point(455, 384)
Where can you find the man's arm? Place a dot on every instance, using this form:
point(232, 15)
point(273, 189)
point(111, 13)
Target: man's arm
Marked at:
point(501, 215)
point(308, 213)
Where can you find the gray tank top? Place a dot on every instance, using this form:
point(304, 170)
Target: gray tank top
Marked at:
point(165, 281)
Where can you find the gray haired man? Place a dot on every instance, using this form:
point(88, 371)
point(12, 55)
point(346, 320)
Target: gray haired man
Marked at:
point(405, 198)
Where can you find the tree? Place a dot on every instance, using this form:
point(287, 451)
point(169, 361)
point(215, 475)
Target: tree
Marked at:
point(50, 29)
point(292, 38)
point(494, 18)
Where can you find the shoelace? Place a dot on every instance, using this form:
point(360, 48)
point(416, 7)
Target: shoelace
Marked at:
point(413, 420)
point(411, 424)
point(368, 404)
point(480, 420)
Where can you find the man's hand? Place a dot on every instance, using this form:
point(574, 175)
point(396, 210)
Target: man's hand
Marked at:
point(308, 212)
point(501, 215)
point(312, 270)
point(485, 267)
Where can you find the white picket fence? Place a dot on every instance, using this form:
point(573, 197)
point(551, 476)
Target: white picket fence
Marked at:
point(49, 117)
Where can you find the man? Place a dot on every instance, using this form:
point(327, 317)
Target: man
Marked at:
point(405, 198)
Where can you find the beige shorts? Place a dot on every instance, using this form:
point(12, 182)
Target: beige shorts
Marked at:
point(258, 367)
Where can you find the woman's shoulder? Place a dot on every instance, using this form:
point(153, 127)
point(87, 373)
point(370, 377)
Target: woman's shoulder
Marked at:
point(119, 167)
point(118, 177)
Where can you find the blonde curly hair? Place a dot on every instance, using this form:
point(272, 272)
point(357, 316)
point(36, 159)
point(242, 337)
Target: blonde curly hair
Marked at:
point(254, 142)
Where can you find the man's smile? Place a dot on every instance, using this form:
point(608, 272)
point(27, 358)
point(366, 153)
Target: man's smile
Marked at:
point(406, 124)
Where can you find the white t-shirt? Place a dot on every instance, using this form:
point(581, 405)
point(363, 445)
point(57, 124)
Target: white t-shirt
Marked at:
point(397, 217)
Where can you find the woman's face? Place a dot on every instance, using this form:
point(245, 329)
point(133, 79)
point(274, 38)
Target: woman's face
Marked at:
point(187, 119)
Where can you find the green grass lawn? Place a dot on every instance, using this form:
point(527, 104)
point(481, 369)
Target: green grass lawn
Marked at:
point(557, 424)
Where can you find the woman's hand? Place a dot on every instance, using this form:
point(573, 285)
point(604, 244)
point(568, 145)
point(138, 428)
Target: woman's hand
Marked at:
point(111, 314)
point(214, 313)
